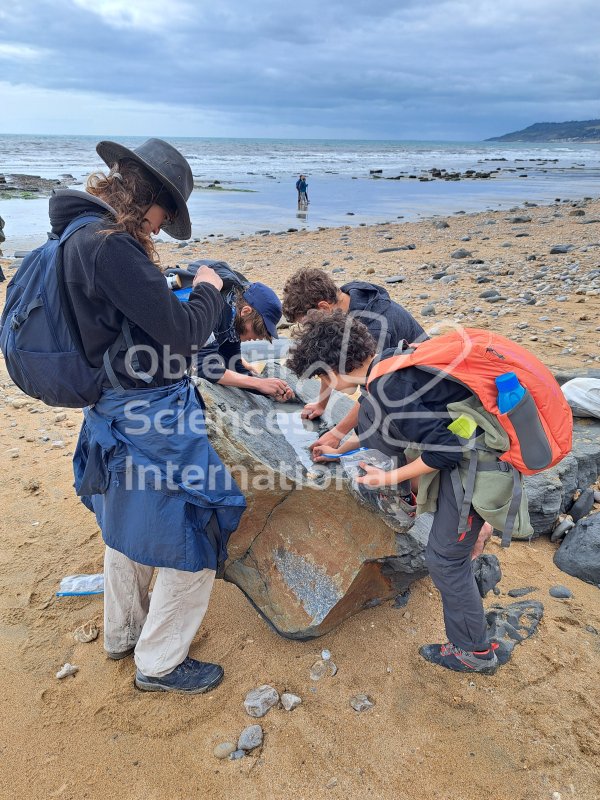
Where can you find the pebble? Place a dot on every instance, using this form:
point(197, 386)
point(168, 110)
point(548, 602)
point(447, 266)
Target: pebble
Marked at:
point(237, 754)
point(331, 783)
point(18, 403)
point(583, 505)
point(428, 310)
point(561, 248)
point(461, 253)
point(361, 702)
point(66, 670)
point(86, 633)
point(60, 417)
point(13, 452)
point(290, 701)
point(522, 591)
point(318, 670)
point(395, 279)
point(250, 738)
point(58, 444)
point(560, 592)
point(325, 655)
point(259, 701)
point(224, 750)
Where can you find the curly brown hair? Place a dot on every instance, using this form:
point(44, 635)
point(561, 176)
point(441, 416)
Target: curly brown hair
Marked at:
point(324, 339)
point(305, 290)
point(130, 190)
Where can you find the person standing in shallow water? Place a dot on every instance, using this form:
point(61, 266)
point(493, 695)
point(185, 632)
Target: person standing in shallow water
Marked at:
point(302, 189)
point(142, 475)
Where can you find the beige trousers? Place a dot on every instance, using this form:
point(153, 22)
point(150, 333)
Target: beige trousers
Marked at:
point(161, 624)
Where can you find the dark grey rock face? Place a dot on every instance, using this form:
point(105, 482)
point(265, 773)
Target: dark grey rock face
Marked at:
point(579, 553)
point(551, 492)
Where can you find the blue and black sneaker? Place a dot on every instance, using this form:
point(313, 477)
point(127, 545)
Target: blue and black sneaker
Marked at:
point(190, 677)
point(451, 657)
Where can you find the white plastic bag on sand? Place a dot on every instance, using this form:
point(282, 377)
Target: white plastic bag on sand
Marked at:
point(583, 395)
point(77, 585)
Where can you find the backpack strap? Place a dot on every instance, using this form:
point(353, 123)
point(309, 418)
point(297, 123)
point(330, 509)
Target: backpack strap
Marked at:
point(123, 341)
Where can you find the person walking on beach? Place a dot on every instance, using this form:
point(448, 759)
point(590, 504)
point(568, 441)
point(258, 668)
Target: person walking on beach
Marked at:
point(302, 189)
point(414, 409)
point(139, 464)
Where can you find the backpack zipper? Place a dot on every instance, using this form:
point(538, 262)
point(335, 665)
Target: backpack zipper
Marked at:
point(494, 352)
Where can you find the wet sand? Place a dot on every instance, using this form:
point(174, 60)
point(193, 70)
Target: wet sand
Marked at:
point(531, 730)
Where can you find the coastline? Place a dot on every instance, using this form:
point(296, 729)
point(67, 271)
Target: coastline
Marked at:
point(530, 730)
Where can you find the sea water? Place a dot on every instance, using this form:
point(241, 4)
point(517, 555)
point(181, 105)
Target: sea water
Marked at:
point(257, 179)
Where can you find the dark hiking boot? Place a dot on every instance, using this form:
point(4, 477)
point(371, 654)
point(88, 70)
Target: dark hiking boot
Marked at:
point(451, 657)
point(118, 655)
point(190, 677)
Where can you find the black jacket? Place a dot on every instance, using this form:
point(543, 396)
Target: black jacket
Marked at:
point(108, 277)
point(388, 322)
point(413, 410)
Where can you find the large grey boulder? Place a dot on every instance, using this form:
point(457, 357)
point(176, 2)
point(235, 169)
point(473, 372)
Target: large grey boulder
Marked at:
point(2, 236)
point(579, 553)
point(309, 551)
point(550, 493)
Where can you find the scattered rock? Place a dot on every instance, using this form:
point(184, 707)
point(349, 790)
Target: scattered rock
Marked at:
point(519, 220)
point(250, 738)
point(237, 754)
point(564, 524)
point(512, 624)
point(583, 505)
point(86, 633)
point(560, 592)
point(318, 670)
point(561, 248)
point(361, 702)
point(428, 310)
point(259, 701)
point(441, 225)
point(579, 553)
point(395, 279)
point(290, 701)
point(522, 591)
point(487, 572)
point(461, 253)
point(224, 750)
point(66, 670)
point(401, 600)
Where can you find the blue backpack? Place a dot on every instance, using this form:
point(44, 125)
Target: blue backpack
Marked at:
point(39, 337)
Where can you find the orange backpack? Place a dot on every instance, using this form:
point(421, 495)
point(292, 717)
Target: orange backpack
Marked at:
point(539, 427)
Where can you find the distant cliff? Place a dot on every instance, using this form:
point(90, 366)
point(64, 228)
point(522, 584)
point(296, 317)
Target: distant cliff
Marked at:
point(586, 131)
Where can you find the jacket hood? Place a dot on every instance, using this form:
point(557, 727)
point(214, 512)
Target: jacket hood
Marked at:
point(366, 296)
point(66, 204)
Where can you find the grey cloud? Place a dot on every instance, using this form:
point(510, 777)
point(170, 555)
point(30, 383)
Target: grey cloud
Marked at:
point(380, 68)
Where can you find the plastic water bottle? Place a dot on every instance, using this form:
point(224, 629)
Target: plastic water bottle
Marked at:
point(510, 391)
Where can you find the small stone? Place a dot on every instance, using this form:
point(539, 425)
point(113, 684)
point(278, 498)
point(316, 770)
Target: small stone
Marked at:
point(13, 452)
point(60, 417)
point(428, 310)
point(237, 754)
point(560, 592)
point(259, 701)
point(290, 701)
point(583, 505)
point(461, 253)
point(250, 738)
point(19, 403)
point(395, 279)
point(58, 444)
point(330, 784)
point(522, 591)
point(224, 750)
point(86, 633)
point(361, 702)
point(318, 670)
point(66, 670)
point(561, 248)
point(325, 655)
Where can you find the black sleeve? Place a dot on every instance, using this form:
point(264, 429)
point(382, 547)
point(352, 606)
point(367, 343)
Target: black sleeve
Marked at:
point(406, 421)
point(137, 288)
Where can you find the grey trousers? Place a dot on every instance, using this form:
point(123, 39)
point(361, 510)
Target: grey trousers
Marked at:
point(161, 627)
point(448, 558)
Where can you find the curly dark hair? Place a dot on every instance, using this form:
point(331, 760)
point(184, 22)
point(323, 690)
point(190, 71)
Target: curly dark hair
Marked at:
point(305, 290)
point(324, 339)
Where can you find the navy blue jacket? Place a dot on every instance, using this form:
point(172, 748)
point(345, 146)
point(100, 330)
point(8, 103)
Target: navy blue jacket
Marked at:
point(388, 322)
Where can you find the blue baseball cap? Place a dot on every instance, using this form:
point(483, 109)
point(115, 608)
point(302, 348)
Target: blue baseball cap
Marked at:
point(265, 301)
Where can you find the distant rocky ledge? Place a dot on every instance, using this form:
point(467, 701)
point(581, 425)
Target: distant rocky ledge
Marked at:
point(18, 187)
point(586, 131)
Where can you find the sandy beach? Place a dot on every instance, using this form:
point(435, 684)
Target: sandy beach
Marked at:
point(530, 732)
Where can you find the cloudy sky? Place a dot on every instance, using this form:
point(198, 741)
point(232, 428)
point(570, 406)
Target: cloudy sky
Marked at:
point(380, 69)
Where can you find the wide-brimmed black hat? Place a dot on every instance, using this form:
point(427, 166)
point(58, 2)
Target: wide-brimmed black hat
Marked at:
point(169, 166)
